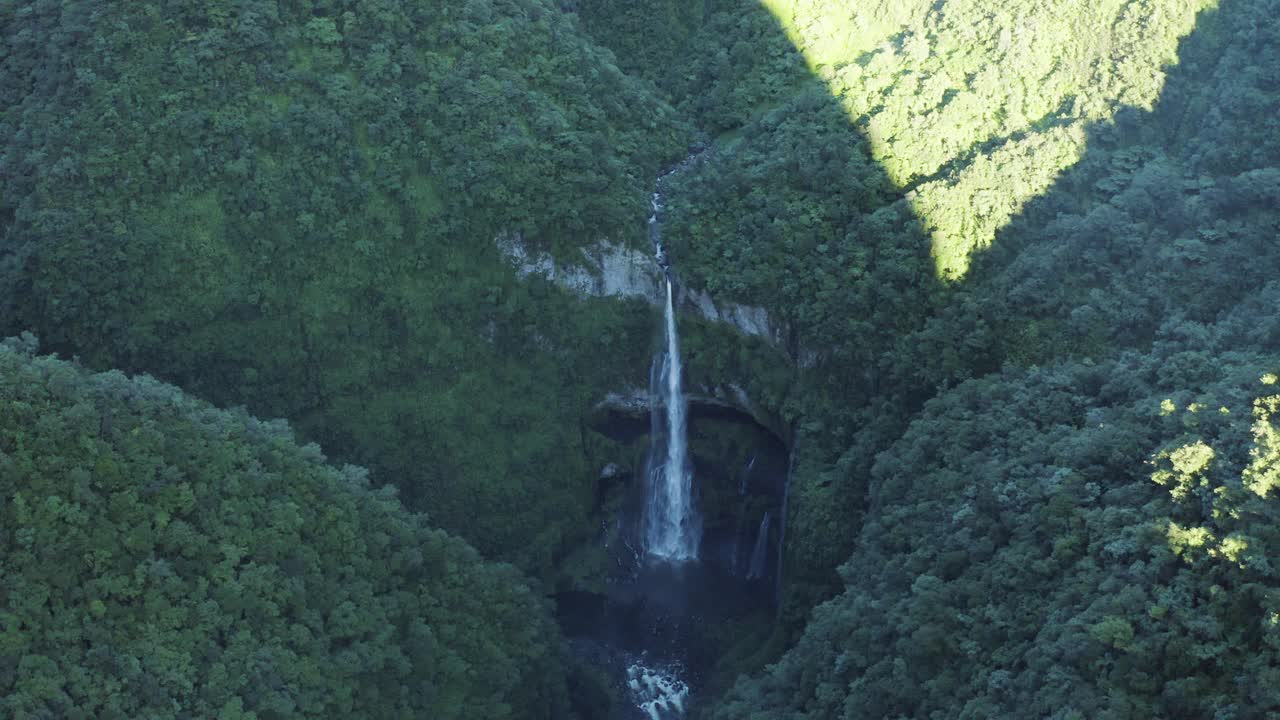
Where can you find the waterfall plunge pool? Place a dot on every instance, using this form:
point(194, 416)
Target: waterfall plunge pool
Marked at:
point(679, 619)
point(692, 543)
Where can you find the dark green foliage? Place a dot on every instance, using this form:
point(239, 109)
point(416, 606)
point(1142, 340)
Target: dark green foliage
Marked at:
point(1090, 537)
point(968, 113)
point(790, 212)
point(162, 558)
point(1166, 218)
point(1086, 541)
point(722, 62)
point(794, 216)
point(1022, 262)
point(293, 207)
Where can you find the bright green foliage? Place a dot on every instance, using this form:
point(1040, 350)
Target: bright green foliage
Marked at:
point(1089, 531)
point(1186, 465)
point(791, 213)
point(977, 108)
point(1168, 218)
point(1022, 256)
point(1166, 215)
point(293, 207)
point(160, 558)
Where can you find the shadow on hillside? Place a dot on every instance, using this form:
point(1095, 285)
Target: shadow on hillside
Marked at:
point(757, 223)
point(1156, 224)
point(820, 233)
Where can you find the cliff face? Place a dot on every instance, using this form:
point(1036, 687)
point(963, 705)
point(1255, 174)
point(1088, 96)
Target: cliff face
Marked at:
point(965, 210)
point(604, 269)
point(610, 269)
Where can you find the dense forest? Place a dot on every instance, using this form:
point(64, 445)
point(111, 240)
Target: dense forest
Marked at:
point(1019, 257)
point(164, 556)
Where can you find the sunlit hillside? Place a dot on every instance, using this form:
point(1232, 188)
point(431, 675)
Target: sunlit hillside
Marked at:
point(974, 108)
point(717, 360)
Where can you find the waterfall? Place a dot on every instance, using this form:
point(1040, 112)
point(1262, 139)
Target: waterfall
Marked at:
point(760, 554)
point(672, 529)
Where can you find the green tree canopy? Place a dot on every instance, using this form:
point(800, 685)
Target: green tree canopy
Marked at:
point(162, 558)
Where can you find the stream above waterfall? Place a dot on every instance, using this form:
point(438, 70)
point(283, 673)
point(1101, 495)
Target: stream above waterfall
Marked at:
point(672, 530)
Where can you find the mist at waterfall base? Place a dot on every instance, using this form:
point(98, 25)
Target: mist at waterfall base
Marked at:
point(660, 625)
point(679, 580)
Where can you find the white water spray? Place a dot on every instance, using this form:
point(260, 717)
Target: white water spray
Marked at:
point(660, 694)
point(672, 529)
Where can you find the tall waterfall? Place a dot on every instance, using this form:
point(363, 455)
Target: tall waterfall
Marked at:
point(672, 528)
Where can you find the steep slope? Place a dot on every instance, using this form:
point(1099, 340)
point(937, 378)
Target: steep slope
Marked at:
point(866, 154)
point(1091, 540)
point(1095, 191)
point(1019, 257)
point(163, 558)
point(922, 132)
point(1086, 532)
point(294, 207)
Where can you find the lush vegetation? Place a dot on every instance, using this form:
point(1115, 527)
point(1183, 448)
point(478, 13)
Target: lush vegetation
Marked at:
point(294, 208)
point(1091, 540)
point(1082, 533)
point(1096, 194)
point(161, 558)
point(975, 109)
point(1021, 254)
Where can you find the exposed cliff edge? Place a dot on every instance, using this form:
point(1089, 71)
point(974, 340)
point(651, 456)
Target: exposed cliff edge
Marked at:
point(633, 406)
point(609, 269)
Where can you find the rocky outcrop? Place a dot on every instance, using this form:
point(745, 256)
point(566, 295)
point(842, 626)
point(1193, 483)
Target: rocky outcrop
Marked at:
point(626, 413)
point(747, 319)
point(608, 269)
point(605, 269)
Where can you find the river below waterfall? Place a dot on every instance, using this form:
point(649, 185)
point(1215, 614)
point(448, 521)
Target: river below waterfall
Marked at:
point(656, 633)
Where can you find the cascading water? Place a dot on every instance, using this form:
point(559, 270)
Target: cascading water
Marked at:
point(676, 586)
point(672, 529)
point(659, 694)
point(675, 581)
point(671, 523)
